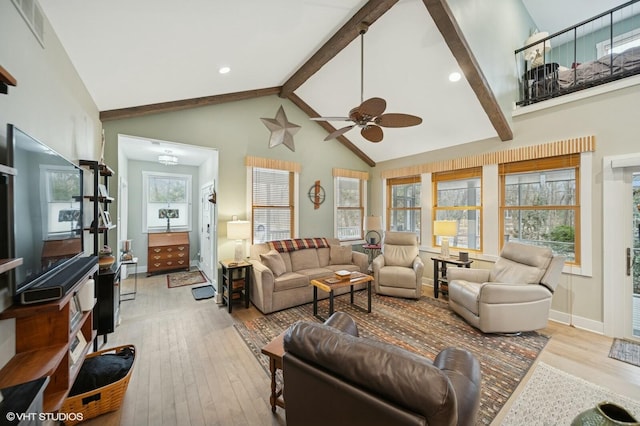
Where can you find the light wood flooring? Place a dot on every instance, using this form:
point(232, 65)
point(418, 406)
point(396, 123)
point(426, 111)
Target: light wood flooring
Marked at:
point(193, 368)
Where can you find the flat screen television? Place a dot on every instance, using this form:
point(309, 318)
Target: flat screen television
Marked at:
point(45, 210)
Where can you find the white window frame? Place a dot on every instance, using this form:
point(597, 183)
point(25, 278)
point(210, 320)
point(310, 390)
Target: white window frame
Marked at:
point(145, 196)
point(295, 196)
point(363, 209)
point(603, 48)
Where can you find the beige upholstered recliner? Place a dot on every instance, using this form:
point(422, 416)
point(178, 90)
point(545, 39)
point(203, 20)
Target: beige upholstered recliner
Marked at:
point(513, 296)
point(398, 270)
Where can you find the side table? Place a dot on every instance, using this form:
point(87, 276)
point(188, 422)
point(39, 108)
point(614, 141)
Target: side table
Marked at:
point(440, 271)
point(132, 294)
point(275, 351)
point(236, 279)
point(372, 250)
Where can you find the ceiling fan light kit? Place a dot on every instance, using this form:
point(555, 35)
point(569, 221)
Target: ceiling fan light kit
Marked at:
point(369, 115)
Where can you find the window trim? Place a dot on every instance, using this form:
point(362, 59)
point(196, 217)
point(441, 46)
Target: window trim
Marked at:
point(362, 184)
point(145, 200)
point(390, 182)
point(567, 161)
point(457, 175)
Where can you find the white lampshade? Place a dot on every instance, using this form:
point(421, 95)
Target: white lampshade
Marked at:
point(372, 223)
point(238, 229)
point(445, 228)
point(535, 54)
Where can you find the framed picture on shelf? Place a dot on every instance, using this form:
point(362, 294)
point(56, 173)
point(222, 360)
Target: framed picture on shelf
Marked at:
point(107, 218)
point(75, 312)
point(102, 191)
point(76, 347)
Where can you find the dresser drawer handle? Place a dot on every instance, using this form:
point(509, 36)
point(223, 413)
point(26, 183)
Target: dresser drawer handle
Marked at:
point(169, 249)
point(181, 248)
point(157, 257)
point(180, 262)
point(181, 254)
point(157, 264)
point(169, 262)
point(169, 256)
point(157, 250)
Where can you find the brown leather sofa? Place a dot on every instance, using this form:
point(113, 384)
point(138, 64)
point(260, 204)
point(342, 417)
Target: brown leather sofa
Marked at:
point(334, 377)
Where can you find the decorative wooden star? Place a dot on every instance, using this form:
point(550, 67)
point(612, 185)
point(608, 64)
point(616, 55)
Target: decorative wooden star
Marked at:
point(282, 130)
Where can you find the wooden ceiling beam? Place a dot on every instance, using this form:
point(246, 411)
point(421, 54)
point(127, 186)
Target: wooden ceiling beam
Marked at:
point(118, 114)
point(330, 129)
point(453, 36)
point(369, 13)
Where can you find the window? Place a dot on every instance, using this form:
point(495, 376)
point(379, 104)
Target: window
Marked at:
point(272, 208)
point(403, 204)
point(167, 201)
point(539, 204)
point(620, 43)
point(458, 196)
point(349, 208)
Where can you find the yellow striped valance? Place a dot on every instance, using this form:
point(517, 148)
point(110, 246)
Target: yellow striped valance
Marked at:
point(355, 174)
point(270, 163)
point(551, 149)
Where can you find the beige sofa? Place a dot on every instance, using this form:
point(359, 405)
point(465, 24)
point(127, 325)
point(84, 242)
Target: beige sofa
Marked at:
point(282, 270)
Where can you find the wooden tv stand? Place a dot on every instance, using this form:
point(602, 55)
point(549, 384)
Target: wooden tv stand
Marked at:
point(43, 335)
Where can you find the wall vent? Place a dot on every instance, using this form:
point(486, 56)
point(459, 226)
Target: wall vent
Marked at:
point(33, 16)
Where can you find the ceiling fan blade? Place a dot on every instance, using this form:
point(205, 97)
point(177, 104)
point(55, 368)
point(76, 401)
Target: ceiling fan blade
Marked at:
point(372, 107)
point(330, 118)
point(398, 120)
point(339, 132)
point(372, 133)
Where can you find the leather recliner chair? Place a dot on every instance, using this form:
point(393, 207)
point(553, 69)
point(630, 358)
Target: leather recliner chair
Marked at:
point(398, 270)
point(334, 377)
point(513, 296)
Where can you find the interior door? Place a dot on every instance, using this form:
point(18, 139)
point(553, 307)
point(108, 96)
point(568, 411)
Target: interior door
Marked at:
point(633, 257)
point(208, 233)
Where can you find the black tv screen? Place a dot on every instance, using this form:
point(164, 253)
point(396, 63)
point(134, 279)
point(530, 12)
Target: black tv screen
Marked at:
point(45, 210)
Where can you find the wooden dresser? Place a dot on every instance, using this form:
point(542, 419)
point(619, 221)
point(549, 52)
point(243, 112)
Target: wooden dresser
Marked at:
point(168, 251)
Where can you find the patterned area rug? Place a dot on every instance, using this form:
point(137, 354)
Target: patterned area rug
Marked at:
point(554, 397)
point(625, 350)
point(424, 326)
point(179, 279)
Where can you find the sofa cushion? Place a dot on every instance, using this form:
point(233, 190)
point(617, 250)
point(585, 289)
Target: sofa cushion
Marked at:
point(398, 276)
point(273, 261)
point(290, 280)
point(340, 255)
point(396, 255)
point(304, 259)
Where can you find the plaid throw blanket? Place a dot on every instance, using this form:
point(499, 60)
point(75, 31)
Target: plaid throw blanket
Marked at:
point(284, 246)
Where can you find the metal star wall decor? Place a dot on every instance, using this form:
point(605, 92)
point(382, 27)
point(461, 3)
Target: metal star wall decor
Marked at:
point(282, 130)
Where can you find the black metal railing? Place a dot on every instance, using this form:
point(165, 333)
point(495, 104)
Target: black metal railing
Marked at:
point(596, 51)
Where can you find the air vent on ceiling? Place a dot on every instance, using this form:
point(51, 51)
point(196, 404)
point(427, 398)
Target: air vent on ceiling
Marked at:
point(33, 16)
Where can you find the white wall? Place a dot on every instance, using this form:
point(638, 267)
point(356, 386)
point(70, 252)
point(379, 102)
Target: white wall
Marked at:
point(49, 103)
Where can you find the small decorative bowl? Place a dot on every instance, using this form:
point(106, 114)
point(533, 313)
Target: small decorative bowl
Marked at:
point(105, 262)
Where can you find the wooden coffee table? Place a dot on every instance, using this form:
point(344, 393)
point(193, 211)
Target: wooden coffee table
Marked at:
point(275, 351)
point(330, 284)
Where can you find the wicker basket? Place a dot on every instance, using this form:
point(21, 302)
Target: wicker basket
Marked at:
point(102, 400)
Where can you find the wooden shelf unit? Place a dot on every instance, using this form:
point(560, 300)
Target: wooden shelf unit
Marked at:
point(43, 334)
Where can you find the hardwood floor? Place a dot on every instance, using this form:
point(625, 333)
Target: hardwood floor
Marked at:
point(192, 367)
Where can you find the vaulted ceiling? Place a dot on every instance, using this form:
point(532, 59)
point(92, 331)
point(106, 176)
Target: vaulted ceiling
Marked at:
point(158, 55)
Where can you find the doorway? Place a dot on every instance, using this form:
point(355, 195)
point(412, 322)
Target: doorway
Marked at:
point(621, 243)
point(139, 155)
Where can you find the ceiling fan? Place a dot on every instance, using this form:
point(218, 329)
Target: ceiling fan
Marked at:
point(369, 115)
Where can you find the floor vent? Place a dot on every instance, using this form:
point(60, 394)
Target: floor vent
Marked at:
point(33, 16)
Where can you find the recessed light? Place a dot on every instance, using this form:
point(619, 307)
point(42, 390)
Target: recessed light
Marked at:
point(454, 76)
point(224, 70)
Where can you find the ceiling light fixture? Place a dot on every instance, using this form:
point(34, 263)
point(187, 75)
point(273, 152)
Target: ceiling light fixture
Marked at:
point(454, 76)
point(224, 70)
point(168, 160)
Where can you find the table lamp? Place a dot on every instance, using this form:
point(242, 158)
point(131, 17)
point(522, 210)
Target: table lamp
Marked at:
point(168, 214)
point(372, 224)
point(445, 229)
point(535, 54)
point(239, 230)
